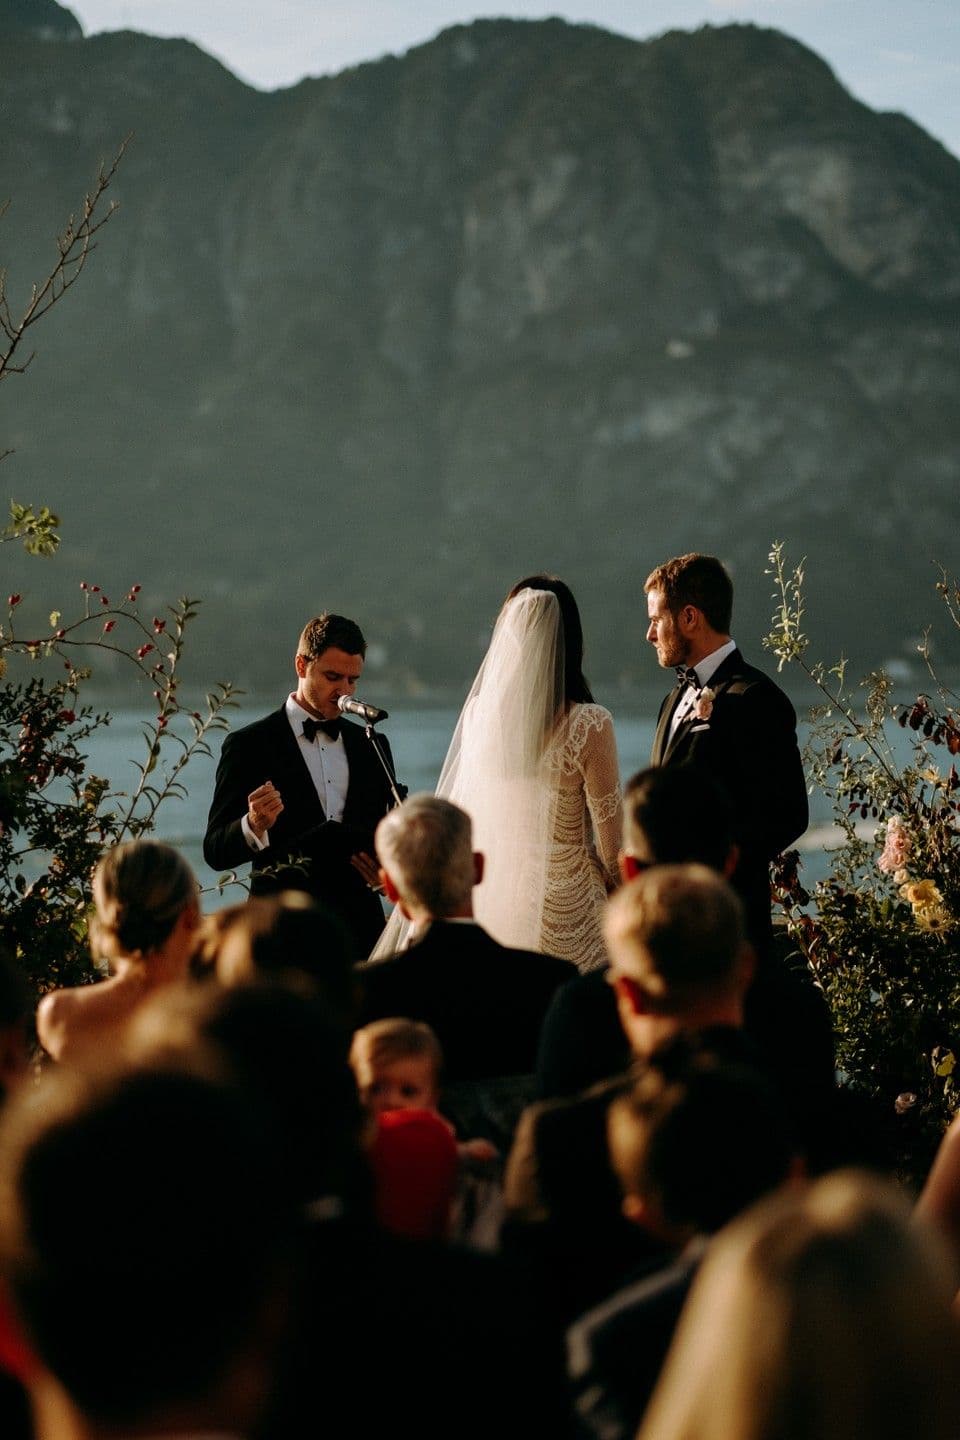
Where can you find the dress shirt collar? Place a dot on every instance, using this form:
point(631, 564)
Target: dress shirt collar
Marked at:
point(711, 663)
point(296, 714)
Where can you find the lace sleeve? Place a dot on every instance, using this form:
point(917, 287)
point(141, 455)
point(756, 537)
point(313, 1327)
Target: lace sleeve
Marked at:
point(601, 782)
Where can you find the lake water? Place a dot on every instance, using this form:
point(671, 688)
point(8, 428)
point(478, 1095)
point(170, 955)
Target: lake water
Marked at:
point(418, 738)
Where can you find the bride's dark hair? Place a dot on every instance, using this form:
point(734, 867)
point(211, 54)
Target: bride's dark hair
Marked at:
point(576, 689)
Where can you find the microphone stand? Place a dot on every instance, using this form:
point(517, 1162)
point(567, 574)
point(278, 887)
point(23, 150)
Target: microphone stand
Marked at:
point(398, 791)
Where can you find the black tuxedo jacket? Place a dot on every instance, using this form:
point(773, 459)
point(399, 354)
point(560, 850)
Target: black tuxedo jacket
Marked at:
point(615, 1352)
point(485, 1002)
point(749, 746)
point(306, 851)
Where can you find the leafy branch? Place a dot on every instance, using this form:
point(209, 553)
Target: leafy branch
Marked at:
point(37, 529)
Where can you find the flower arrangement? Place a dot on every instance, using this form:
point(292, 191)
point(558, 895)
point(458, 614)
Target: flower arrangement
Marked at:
point(881, 933)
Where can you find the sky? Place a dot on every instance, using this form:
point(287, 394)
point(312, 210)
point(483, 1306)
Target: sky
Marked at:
point(892, 54)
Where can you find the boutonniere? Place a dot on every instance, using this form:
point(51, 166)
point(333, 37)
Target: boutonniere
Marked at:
point(704, 706)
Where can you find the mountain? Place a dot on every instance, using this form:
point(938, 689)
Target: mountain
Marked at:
point(38, 20)
point(529, 296)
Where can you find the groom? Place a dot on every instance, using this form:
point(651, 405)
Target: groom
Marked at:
point(726, 717)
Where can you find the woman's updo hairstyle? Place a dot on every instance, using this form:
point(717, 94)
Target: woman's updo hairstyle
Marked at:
point(141, 889)
point(576, 689)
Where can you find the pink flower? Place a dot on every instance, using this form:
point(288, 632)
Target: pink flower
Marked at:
point(704, 706)
point(896, 849)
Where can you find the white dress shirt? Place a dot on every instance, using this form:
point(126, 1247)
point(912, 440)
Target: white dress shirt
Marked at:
point(326, 759)
point(706, 669)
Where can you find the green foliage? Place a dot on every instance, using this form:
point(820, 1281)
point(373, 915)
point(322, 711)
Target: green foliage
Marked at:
point(57, 816)
point(882, 932)
point(37, 530)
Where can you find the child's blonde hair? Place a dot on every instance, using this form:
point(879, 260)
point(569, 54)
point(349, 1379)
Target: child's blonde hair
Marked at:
point(385, 1041)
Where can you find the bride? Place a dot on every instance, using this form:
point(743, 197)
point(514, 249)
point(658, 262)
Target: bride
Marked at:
point(533, 761)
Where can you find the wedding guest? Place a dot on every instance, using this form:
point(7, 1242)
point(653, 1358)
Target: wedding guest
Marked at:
point(691, 1150)
point(277, 935)
point(680, 966)
point(820, 1315)
point(726, 719)
point(281, 1044)
point(670, 817)
point(145, 926)
point(484, 1001)
point(143, 1244)
point(676, 815)
point(367, 1304)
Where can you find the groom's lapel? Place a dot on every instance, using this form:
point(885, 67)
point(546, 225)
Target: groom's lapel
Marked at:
point(662, 738)
point(718, 682)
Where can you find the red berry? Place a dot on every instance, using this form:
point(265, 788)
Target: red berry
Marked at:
point(108, 626)
point(144, 650)
point(13, 600)
point(159, 625)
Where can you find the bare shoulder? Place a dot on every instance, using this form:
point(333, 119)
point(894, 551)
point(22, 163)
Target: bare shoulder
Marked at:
point(67, 1018)
point(55, 1015)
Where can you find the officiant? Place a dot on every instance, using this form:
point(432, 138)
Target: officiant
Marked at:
point(299, 793)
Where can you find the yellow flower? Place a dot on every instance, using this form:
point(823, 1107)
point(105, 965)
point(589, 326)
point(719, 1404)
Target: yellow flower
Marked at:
point(932, 917)
point(921, 893)
point(944, 1062)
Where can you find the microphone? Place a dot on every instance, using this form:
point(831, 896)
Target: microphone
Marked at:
point(369, 713)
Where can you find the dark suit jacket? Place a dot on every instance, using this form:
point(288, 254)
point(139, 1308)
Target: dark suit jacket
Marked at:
point(565, 1221)
point(267, 750)
point(749, 746)
point(615, 1352)
point(485, 1002)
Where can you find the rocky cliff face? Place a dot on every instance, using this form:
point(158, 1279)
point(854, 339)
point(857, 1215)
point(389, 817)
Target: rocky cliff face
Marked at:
point(532, 296)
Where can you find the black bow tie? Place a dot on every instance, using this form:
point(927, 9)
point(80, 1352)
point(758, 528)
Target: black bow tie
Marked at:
point(686, 675)
point(329, 727)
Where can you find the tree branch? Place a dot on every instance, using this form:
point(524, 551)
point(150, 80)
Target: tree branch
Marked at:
point(74, 245)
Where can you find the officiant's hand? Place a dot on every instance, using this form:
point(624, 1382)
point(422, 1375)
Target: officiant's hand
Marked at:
point(263, 807)
point(368, 868)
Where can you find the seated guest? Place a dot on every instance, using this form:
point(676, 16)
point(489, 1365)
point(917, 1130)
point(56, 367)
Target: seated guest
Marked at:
point(368, 1305)
point(819, 1315)
point(279, 935)
point(280, 1044)
point(692, 1150)
point(680, 966)
point(143, 1246)
point(484, 1002)
point(145, 927)
point(671, 816)
point(398, 1065)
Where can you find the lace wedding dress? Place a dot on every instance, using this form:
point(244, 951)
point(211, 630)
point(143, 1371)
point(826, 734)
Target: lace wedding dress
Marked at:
point(582, 863)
